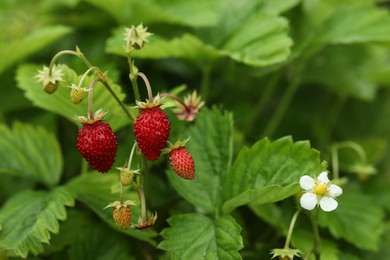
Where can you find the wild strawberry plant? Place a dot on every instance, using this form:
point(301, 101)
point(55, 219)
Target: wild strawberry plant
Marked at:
point(277, 147)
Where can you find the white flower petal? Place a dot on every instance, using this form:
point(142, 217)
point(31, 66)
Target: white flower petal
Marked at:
point(308, 201)
point(307, 182)
point(323, 178)
point(334, 191)
point(328, 203)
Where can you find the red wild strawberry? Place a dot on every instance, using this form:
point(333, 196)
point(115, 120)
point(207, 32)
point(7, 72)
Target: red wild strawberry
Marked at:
point(151, 129)
point(181, 160)
point(97, 142)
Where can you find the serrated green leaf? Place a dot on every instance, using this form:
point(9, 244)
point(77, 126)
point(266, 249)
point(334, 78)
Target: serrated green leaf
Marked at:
point(60, 103)
point(30, 152)
point(17, 49)
point(356, 22)
point(195, 236)
point(94, 190)
point(186, 46)
point(261, 40)
point(269, 171)
point(212, 155)
point(29, 217)
point(195, 13)
point(356, 219)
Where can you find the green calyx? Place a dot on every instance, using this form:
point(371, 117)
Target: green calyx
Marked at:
point(174, 146)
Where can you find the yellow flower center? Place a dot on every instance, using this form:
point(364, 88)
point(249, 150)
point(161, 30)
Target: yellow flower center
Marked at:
point(321, 189)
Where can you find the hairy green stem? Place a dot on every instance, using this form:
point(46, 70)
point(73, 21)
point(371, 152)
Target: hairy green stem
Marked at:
point(85, 75)
point(90, 105)
point(291, 228)
point(133, 78)
point(143, 203)
point(335, 156)
point(148, 87)
point(316, 234)
point(131, 156)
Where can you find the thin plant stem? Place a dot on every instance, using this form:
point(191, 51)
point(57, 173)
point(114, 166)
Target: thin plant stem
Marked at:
point(316, 234)
point(122, 105)
point(90, 105)
point(335, 155)
point(131, 156)
point(121, 193)
point(143, 203)
point(291, 228)
point(268, 90)
point(101, 75)
point(282, 108)
point(133, 78)
point(148, 87)
point(85, 75)
point(335, 162)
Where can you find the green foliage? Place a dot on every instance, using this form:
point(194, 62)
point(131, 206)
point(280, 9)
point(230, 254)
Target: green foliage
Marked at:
point(212, 154)
point(31, 43)
point(29, 216)
point(269, 172)
point(60, 103)
point(284, 70)
point(30, 152)
point(357, 220)
point(94, 190)
point(197, 236)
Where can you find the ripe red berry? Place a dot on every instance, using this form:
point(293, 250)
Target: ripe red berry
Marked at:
point(151, 130)
point(97, 144)
point(182, 163)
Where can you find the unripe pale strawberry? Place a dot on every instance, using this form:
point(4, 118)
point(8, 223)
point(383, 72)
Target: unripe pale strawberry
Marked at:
point(121, 213)
point(77, 95)
point(151, 130)
point(122, 217)
point(97, 143)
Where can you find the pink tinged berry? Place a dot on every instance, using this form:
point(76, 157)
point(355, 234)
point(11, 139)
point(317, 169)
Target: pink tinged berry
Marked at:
point(182, 163)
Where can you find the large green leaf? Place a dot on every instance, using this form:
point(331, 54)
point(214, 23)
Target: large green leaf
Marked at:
point(186, 46)
point(269, 171)
point(256, 38)
point(16, 49)
point(30, 152)
point(196, 13)
point(195, 236)
point(347, 70)
point(28, 218)
point(355, 22)
point(260, 41)
point(94, 190)
point(212, 155)
point(60, 103)
point(357, 219)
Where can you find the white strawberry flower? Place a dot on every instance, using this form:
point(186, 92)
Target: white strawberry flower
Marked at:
point(319, 192)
